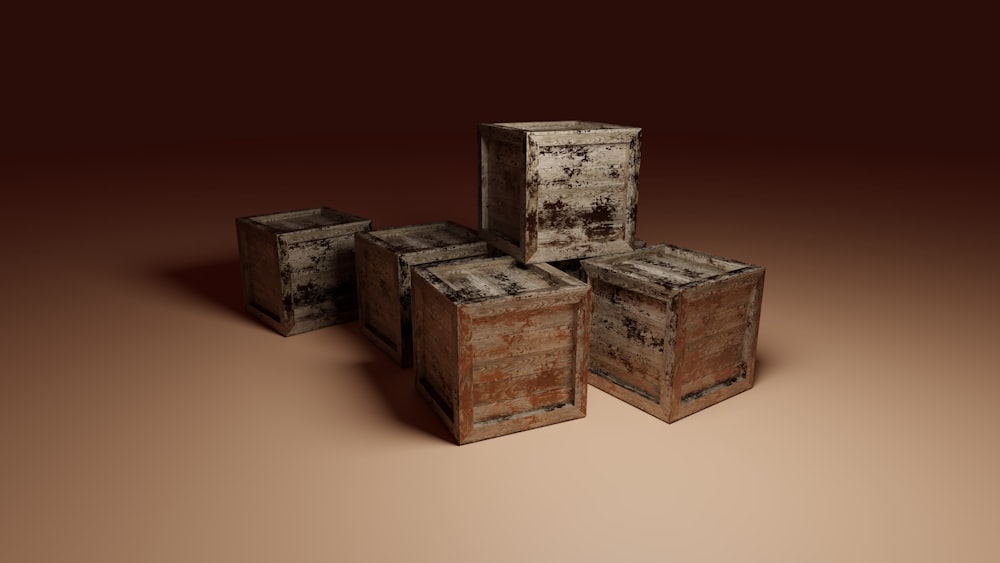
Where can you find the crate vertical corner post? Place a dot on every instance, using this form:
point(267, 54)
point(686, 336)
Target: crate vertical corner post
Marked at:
point(298, 268)
point(385, 259)
point(673, 330)
point(558, 190)
point(500, 347)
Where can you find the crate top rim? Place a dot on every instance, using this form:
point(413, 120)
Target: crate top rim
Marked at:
point(607, 267)
point(307, 220)
point(568, 127)
point(379, 237)
point(559, 281)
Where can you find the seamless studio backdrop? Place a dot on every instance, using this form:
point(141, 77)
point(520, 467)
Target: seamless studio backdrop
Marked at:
point(145, 417)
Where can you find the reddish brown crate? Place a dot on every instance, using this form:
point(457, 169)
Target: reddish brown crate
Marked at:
point(673, 330)
point(384, 261)
point(558, 190)
point(298, 268)
point(498, 347)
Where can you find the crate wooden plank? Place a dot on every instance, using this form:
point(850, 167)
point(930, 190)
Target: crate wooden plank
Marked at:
point(486, 371)
point(523, 404)
point(673, 330)
point(298, 267)
point(523, 385)
point(520, 342)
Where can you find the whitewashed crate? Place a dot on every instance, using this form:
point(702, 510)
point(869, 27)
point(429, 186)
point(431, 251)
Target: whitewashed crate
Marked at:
point(385, 259)
point(673, 330)
point(558, 190)
point(298, 268)
point(500, 347)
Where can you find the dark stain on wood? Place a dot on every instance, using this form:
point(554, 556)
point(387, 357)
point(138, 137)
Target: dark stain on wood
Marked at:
point(509, 286)
point(641, 334)
point(557, 215)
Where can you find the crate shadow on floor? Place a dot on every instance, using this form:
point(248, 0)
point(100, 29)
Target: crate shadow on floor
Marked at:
point(395, 387)
point(762, 368)
point(217, 283)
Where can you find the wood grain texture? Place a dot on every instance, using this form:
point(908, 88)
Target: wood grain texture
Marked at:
point(556, 191)
point(385, 259)
point(298, 268)
point(501, 346)
point(673, 330)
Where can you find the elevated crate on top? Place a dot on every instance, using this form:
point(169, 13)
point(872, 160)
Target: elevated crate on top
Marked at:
point(558, 190)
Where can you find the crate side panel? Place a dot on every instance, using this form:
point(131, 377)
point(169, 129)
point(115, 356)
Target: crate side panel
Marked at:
point(576, 165)
point(543, 400)
point(527, 388)
point(503, 187)
point(514, 320)
point(629, 337)
point(517, 385)
point(261, 271)
point(332, 291)
point(586, 199)
point(580, 216)
point(379, 300)
point(514, 344)
point(488, 371)
point(717, 340)
point(435, 350)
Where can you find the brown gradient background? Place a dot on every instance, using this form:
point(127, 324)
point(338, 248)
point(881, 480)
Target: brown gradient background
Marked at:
point(145, 417)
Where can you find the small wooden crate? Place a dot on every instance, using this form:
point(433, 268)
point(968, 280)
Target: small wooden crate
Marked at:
point(673, 330)
point(298, 268)
point(499, 347)
point(558, 190)
point(384, 261)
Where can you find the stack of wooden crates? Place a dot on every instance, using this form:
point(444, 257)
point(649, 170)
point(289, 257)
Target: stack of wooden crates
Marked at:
point(506, 326)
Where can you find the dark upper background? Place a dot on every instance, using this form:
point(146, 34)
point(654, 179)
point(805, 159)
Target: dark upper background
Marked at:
point(92, 77)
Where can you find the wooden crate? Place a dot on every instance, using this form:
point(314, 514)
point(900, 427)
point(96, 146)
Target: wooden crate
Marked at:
point(384, 261)
point(298, 268)
point(673, 330)
point(499, 347)
point(558, 190)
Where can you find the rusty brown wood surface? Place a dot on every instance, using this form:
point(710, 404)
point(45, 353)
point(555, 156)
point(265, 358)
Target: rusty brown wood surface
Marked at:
point(503, 346)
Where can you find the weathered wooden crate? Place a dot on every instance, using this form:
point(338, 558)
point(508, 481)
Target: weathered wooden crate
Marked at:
point(558, 190)
point(384, 261)
point(298, 268)
point(500, 347)
point(673, 330)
